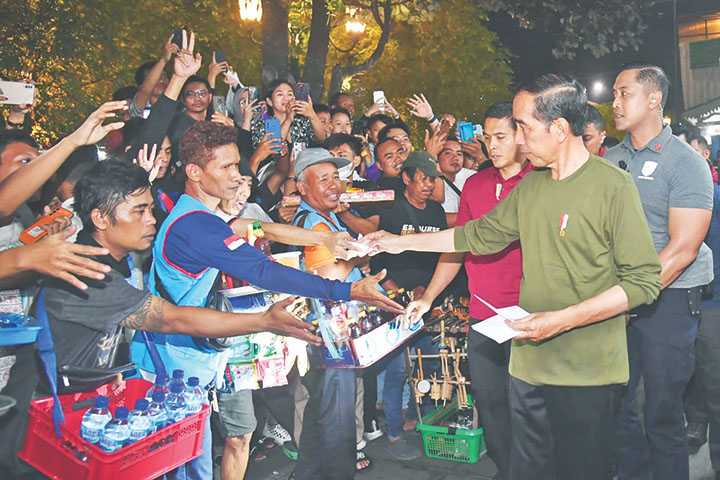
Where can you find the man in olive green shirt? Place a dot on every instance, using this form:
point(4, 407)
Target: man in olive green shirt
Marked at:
point(588, 257)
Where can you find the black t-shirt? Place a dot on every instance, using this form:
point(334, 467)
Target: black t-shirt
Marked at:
point(409, 269)
point(86, 325)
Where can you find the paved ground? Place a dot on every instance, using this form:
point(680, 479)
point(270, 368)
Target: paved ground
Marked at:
point(278, 467)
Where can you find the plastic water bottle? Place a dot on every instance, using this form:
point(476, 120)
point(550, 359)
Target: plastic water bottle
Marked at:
point(178, 378)
point(139, 421)
point(117, 432)
point(194, 396)
point(161, 385)
point(157, 412)
point(175, 404)
point(94, 420)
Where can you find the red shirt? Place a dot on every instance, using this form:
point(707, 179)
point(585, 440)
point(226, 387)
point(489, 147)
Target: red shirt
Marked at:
point(495, 278)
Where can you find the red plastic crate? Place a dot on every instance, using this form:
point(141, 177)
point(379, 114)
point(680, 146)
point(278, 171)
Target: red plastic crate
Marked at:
point(72, 458)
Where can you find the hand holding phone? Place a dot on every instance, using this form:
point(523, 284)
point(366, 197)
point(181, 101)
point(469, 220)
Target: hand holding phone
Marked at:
point(466, 131)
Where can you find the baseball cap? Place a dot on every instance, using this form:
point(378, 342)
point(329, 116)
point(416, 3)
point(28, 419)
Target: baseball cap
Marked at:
point(423, 161)
point(313, 156)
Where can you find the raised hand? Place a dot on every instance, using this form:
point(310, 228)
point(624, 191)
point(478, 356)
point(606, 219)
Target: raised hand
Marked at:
point(420, 107)
point(435, 142)
point(92, 130)
point(187, 63)
point(281, 322)
point(303, 108)
point(148, 161)
point(343, 246)
point(215, 69)
point(169, 49)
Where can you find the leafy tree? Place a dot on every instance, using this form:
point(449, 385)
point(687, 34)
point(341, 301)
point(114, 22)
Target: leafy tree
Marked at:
point(597, 27)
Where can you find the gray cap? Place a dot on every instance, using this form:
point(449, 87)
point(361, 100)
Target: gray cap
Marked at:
point(314, 156)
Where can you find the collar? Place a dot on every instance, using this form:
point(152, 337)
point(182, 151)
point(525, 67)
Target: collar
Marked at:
point(121, 266)
point(330, 216)
point(519, 176)
point(656, 145)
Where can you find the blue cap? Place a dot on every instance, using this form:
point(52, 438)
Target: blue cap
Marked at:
point(193, 381)
point(160, 379)
point(158, 397)
point(121, 413)
point(176, 388)
point(101, 401)
point(178, 373)
point(141, 404)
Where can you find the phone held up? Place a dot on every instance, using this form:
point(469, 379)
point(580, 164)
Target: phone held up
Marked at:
point(302, 91)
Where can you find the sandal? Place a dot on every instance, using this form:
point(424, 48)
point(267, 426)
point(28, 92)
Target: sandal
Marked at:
point(362, 458)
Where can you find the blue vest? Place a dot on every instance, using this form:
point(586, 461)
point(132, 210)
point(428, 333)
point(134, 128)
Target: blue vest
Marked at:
point(185, 289)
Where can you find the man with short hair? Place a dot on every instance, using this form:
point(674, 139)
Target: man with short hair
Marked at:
point(327, 442)
point(587, 258)
point(151, 80)
point(185, 267)
point(677, 197)
point(450, 160)
point(496, 277)
point(343, 100)
point(595, 133)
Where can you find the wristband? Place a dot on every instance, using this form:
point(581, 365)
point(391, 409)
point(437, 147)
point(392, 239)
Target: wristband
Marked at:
point(433, 119)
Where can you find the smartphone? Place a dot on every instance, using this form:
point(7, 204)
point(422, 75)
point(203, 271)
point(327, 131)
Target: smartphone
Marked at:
point(478, 130)
point(302, 91)
point(36, 231)
point(379, 97)
point(272, 126)
point(219, 56)
point(219, 104)
point(16, 93)
point(177, 38)
point(465, 131)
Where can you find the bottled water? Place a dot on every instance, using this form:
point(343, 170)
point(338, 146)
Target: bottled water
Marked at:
point(178, 377)
point(161, 385)
point(194, 396)
point(139, 421)
point(157, 412)
point(117, 432)
point(94, 420)
point(175, 404)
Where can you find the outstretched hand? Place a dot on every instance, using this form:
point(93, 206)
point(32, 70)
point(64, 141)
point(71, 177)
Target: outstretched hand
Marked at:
point(92, 130)
point(366, 290)
point(279, 321)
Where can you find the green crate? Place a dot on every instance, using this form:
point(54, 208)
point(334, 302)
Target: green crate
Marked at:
point(453, 444)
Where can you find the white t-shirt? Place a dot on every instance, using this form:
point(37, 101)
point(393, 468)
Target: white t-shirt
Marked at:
point(452, 199)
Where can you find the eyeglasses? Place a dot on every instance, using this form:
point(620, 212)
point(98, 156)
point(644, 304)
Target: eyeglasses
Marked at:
point(196, 93)
point(623, 165)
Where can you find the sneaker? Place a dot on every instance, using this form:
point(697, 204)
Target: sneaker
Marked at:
point(277, 434)
point(374, 433)
point(696, 436)
point(401, 449)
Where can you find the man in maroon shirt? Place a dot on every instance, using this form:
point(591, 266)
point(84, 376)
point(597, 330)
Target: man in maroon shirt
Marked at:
point(496, 278)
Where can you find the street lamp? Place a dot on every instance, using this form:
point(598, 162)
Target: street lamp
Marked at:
point(598, 88)
point(354, 26)
point(250, 10)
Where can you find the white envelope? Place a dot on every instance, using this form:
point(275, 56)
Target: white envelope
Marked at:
point(495, 327)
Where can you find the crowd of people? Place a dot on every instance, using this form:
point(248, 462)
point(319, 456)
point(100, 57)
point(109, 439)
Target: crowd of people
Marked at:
point(609, 244)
